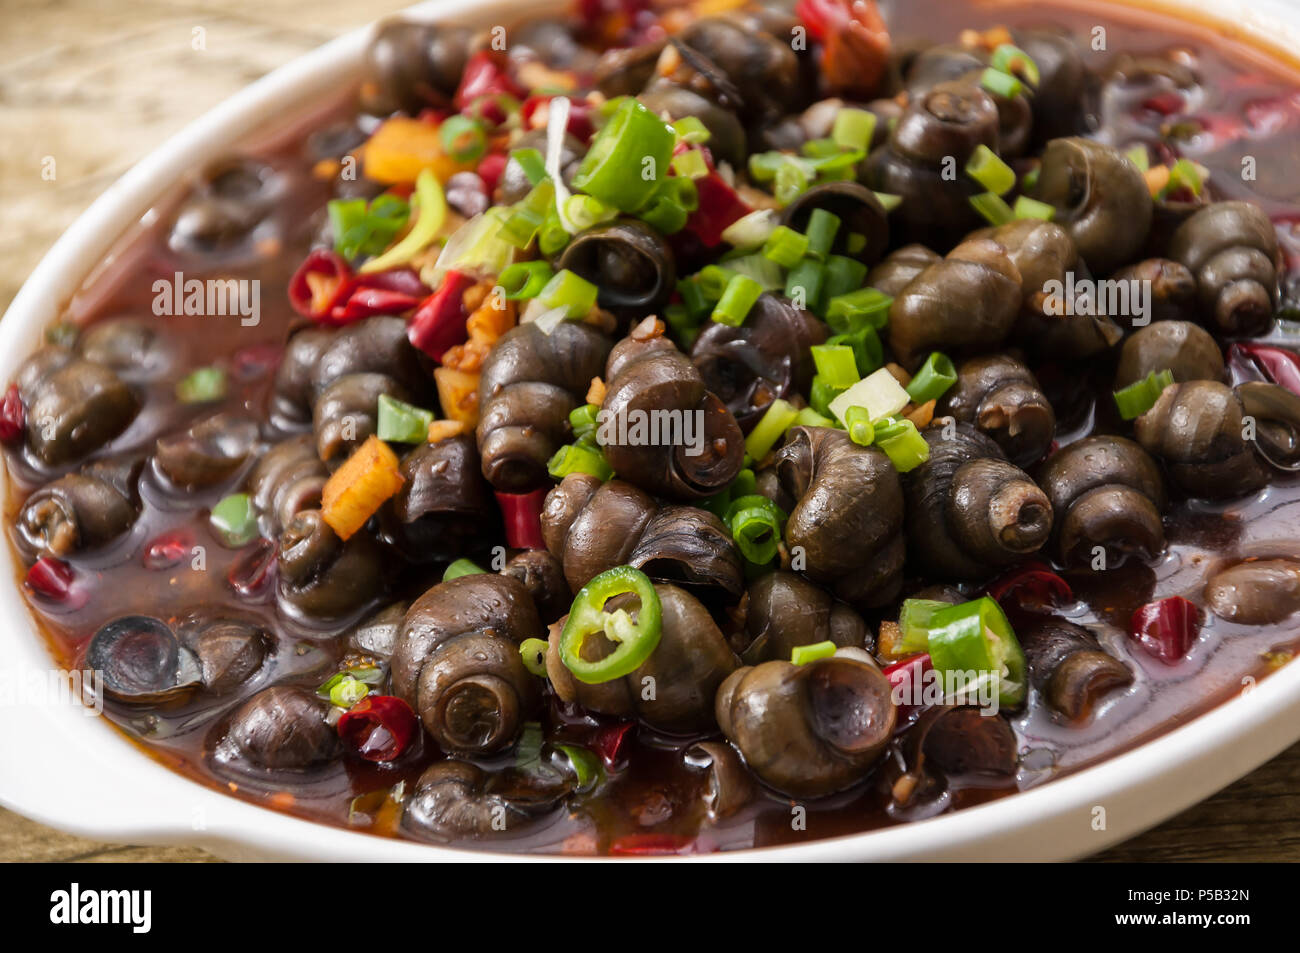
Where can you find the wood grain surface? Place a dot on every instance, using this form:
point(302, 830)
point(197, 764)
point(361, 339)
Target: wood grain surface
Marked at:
point(93, 85)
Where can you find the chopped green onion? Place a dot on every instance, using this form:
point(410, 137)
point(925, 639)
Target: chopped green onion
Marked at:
point(820, 148)
point(866, 307)
point(868, 352)
point(759, 267)
point(1026, 207)
point(756, 524)
point(533, 654)
point(785, 246)
point(521, 227)
point(1140, 157)
point(462, 567)
point(821, 395)
point(1137, 398)
point(348, 691)
point(805, 281)
point(1011, 59)
point(666, 214)
point(694, 299)
point(976, 637)
point(234, 519)
point(462, 138)
point(855, 243)
point(430, 205)
point(552, 237)
point(810, 418)
point(888, 201)
point(525, 279)
point(774, 422)
point(584, 211)
point(531, 161)
point(791, 181)
point(803, 654)
point(1029, 181)
point(751, 230)
point(902, 442)
point(366, 229)
point(401, 422)
point(853, 128)
point(579, 458)
point(584, 765)
point(1001, 84)
point(822, 226)
point(690, 164)
point(691, 129)
point(843, 275)
point(988, 169)
point(879, 393)
point(712, 281)
point(741, 293)
point(570, 291)
point(994, 209)
point(584, 420)
point(933, 379)
point(857, 421)
point(836, 364)
point(201, 386)
point(628, 158)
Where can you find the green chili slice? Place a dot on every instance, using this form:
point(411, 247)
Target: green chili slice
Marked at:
point(628, 158)
point(756, 524)
point(634, 639)
point(976, 637)
point(533, 653)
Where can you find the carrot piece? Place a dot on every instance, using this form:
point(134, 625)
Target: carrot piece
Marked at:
point(922, 415)
point(488, 322)
point(440, 430)
point(401, 148)
point(359, 487)
point(458, 394)
point(1157, 178)
point(596, 392)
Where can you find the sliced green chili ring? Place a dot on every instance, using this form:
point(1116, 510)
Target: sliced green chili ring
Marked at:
point(533, 654)
point(525, 279)
point(1137, 398)
point(628, 158)
point(914, 623)
point(976, 637)
point(462, 567)
point(401, 422)
point(1011, 59)
point(934, 378)
point(579, 458)
point(803, 654)
point(635, 640)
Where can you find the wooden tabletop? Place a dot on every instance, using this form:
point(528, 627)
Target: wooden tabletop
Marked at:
point(96, 84)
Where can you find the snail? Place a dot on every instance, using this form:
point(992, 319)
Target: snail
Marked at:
point(81, 511)
point(1000, 396)
point(1232, 249)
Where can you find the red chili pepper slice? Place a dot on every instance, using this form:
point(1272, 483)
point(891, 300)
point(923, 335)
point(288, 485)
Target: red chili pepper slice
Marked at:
point(168, 550)
point(378, 728)
point(401, 280)
point(1031, 586)
point(57, 582)
point(13, 418)
point(855, 42)
point(719, 207)
point(333, 283)
point(368, 302)
point(579, 124)
point(654, 845)
point(253, 573)
point(906, 677)
point(485, 75)
point(523, 518)
point(610, 741)
point(439, 323)
point(1166, 628)
point(490, 169)
point(1279, 365)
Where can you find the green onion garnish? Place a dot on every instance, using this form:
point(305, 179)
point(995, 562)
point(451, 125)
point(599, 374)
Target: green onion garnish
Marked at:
point(866, 307)
point(933, 379)
point(401, 422)
point(1137, 398)
point(691, 129)
point(462, 567)
point(853, 128)
point(988, 169)
point(584, 420)
point(810, 418)
point(462, 138)
point(579, 458)
point(348, 691)
point(785, 246)
point(993, 208)
point(531, 161)
point(1026, 207)
point(1140, 157)
point(1184, 174)
point(525, 279)
point(234, 519)
point(900, 439)
point(690, 163)
point(740, 294)
point(201, 386)
point(1013, 60)
point(756, 524)
point(778, 418)
point(1001, 84)
point(430, 205)
point(822, 226)
point(803, 654)
point(791, 181)
point(888, 201)
point(868, 352)
point(843, 275)
point(857, 421)
point(836, 364)
point(805, 282)
point(567, 290)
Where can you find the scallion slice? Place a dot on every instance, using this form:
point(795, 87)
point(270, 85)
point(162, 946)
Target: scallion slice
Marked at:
point(934, 378)
point(803, 654)
point(987, 168)
point(836, 364)
point(401, 422)
point(1137, 398)
point(902, 442)
point(778, 418)
point(740, 294)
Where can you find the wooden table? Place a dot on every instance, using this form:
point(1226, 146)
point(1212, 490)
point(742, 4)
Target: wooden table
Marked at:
point(96, 84)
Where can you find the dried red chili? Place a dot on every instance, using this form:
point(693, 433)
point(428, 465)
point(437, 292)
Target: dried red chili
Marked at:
point(378, 728)
point(1166, 628)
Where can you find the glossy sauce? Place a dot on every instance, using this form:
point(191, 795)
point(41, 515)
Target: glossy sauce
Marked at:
point(649, 791)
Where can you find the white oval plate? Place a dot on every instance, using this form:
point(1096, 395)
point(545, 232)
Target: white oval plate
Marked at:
point(72, 772)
